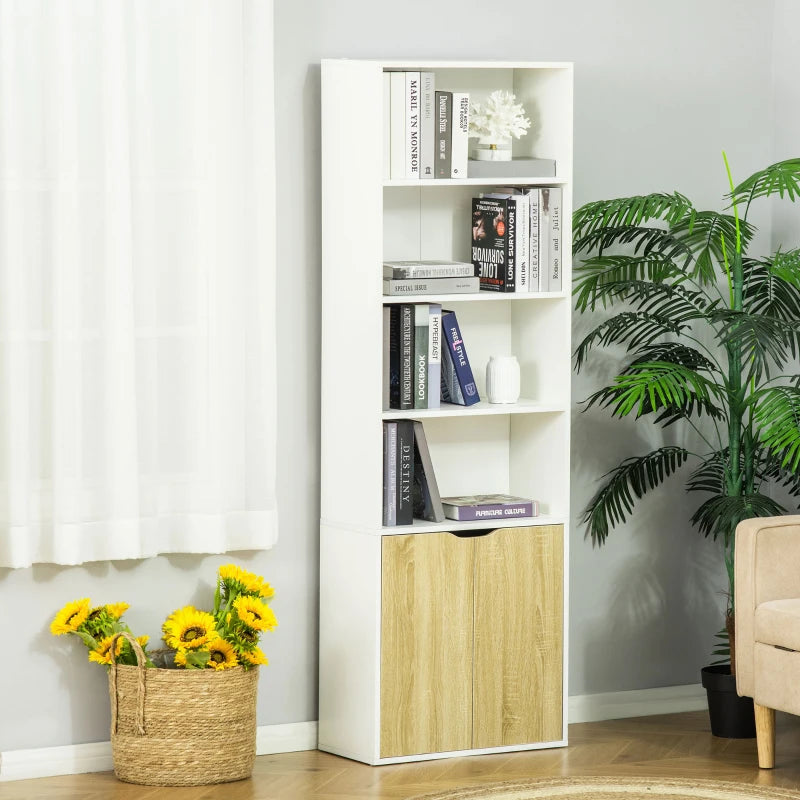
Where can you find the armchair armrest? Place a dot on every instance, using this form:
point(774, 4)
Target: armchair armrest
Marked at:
point(767, 567)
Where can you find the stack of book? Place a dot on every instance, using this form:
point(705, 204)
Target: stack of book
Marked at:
point(426, 132)
point(424, 358)
point(429, 277)
point(489, 507)
point(409, 482)
point(516, 239)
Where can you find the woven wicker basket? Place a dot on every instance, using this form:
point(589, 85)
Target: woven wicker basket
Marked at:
point(176, 727)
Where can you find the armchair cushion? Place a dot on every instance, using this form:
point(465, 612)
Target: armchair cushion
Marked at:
point(777, 622)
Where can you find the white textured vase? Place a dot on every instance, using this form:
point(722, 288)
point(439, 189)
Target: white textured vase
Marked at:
point(502, 379)
point(488, 149)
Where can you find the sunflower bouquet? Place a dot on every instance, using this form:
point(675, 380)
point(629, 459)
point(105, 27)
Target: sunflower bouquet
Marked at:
point(96, 627)
point(227, 637)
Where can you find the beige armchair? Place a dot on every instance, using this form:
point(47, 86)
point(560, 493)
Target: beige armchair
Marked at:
point(767, 605)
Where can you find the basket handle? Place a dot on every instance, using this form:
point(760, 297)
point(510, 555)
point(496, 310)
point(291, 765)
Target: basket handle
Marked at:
point(141, 666)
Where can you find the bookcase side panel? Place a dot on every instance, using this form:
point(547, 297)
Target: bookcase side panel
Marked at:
point(352, 168)
point(350, 596)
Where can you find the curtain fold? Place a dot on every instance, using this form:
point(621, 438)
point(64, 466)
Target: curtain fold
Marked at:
point(137, 265)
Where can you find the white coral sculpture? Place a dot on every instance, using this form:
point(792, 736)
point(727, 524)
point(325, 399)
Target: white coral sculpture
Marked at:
point(500, 117)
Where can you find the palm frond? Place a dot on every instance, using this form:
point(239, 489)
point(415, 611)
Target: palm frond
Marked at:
point(646, 387)
point(763, 339)
point(782, 179)
point(675, 353)
point(646, 242)
point(777, 414)
point(628, 327)
point(719, 515)
point(625, 484)
point(625, 211)
point(701, 233)
point(709, 475)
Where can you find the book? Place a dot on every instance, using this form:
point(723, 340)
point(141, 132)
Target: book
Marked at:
point(400, 286)
point(428, 269)
point(406, 357)
point(405, 471)
point(544, 239)
point(458, 383)
point(554, 277)
point(427, 502)
point(427, 124)
point(488, 506)
point(395, 355)
point(534, 198)
point(412, 124)
point(459, 139)
point(517, 168)
point(518, 237)
point(444, 119)
point(434, 355)
point(390, 473)
point(490, 241)
point(387, 125)
point(387, 357)
point(421, 347)
point(397, 121)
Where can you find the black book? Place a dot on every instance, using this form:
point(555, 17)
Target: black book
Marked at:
point(490, 255)
point(405, 471)
point(406, 356)
point(427, 501)
point(395, 355)
point(443, 156)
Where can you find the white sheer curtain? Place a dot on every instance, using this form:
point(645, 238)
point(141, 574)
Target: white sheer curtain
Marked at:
point(137, 363)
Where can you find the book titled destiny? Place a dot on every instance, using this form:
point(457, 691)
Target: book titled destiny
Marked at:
point(467, 508)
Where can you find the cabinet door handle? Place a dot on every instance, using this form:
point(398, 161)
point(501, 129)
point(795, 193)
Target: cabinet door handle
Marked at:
point(472, 533)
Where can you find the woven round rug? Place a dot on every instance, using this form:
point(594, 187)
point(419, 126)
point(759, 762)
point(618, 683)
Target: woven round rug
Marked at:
point(614, 789)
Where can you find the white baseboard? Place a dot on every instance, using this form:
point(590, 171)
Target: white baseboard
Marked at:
point(637, 703)
point(74, 759)
point(96, 757)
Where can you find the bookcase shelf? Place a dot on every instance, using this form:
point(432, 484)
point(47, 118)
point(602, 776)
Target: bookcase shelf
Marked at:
point(418, 623)
point(522, 406)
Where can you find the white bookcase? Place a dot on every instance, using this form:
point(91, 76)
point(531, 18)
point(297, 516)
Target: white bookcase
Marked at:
point(407, 670)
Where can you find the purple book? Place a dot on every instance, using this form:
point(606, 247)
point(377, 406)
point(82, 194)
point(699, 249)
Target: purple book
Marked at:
point(470, 508)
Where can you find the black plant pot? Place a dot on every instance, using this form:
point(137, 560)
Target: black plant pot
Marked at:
point(732, 717)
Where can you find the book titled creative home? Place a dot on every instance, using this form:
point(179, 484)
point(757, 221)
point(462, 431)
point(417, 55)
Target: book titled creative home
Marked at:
point(468, 508)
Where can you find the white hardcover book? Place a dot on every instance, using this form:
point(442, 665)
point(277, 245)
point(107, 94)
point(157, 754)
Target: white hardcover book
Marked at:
point(427, 124)
point(555, 239)
point(544, 240)
point(435, 355)
point(398, 122)
point(524, 243)
point(460, 135)
point(534, 196)
point(412, 124)
point(387, 125)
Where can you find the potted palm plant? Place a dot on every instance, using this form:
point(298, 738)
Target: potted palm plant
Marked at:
point(709, 333)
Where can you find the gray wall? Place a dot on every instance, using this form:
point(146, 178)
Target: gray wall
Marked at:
point(658, 94)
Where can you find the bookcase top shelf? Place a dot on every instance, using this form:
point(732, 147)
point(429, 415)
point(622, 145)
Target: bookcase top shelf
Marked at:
point(436, 64)
point(503, 181)
point(483, 408)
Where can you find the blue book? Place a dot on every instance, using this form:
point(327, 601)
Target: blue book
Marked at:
point(458, 383)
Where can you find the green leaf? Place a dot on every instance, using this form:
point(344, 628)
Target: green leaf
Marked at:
point(645, 387)
point(627, 483)
point(627, 211)
point(782, 178)
point(777, 414)
point(719, 515)
point(646, 242)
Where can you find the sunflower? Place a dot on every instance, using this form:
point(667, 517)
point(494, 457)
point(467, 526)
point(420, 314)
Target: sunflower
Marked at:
point(237, 579)
point(253, 657)
point(102, 655)
point(116, 610)
point(254, 613)
point(71, 617)
point(187, 629)
point(221, 655)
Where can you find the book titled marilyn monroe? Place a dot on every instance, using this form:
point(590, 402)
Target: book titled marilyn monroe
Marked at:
point(488, 506)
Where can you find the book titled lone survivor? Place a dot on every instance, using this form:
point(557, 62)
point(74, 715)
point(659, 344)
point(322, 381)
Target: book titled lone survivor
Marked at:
point(467, 508)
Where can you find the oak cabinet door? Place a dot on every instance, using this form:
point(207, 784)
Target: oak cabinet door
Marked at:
point(518, 636)
point(426, 644)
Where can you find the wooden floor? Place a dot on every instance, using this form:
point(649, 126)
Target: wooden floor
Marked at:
point(675, 745)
